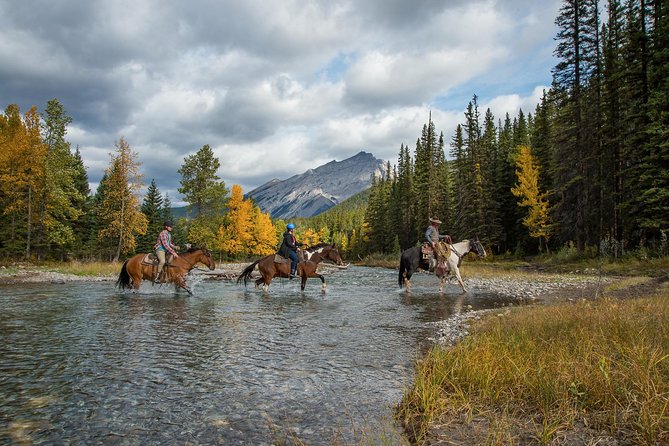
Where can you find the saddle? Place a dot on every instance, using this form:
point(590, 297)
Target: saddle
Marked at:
point(150, 259)
point(280, 259)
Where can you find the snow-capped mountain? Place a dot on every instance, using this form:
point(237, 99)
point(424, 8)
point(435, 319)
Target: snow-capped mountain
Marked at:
point(317, 190)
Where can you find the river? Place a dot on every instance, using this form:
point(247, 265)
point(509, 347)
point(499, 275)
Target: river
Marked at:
point(82, 363)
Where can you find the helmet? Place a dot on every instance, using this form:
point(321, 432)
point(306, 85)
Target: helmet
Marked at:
point(290, 226)
point(168, 223)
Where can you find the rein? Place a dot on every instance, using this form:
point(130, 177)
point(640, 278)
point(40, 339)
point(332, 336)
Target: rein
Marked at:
point(192, 265)
point(457, 253)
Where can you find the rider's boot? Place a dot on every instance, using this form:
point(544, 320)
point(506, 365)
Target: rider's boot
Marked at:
point(293, 274)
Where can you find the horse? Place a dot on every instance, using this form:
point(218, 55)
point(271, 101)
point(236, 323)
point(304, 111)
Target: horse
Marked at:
point(136, 268)
point(269, 268)
point(412, 260)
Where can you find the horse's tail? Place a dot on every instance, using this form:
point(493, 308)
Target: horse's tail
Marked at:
point(400, 277)
point(123, 281)
point(246, 274)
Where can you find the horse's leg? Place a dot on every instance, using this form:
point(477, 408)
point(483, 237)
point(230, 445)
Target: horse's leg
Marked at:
point(179, 282)
point(442, 280)
point(136, 279)
point(456, 270)
point(407, 278)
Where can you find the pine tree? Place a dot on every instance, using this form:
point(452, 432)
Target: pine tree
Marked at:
point(509, 212)
point(654, 179)
point(200, 185)
point(570, 76)
point(612, 124)
point(152, 208)
point(405, 197)
point(60, 202)
point(490, 212)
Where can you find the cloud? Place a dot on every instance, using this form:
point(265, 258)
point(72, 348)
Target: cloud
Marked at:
point(274, 88)
point(513, 103)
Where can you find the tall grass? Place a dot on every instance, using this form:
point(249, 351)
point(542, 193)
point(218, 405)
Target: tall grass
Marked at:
point(603, 364)
point(81, 268)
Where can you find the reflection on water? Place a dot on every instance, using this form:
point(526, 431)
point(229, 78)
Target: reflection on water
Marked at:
point(83, 363)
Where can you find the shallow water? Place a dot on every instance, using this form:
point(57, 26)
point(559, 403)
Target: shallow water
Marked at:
point(83, 363)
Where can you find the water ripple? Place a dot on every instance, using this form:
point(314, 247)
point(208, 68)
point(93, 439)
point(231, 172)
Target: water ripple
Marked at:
point(83, 363)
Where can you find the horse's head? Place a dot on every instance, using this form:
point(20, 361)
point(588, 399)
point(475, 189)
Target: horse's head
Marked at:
point(207, 258)
point(332, 253)
point(476, 246)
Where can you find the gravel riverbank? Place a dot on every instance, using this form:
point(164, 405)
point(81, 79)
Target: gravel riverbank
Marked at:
point(543, 288)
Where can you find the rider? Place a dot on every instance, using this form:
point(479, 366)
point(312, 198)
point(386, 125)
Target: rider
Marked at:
point(289, 248)
point(164, 246)
point(432, 237)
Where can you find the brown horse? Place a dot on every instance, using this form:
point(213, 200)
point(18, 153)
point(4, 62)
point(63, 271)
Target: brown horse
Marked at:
point(270, 269)
point(134, 269)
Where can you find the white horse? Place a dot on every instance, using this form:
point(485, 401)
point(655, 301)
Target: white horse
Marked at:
point(412, 259)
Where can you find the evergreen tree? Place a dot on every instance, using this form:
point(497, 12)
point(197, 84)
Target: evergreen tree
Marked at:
point(654, 177)
point(60, 202)
point(612, 124)
point(200, 185)
point(152, 208)
point(405, 210)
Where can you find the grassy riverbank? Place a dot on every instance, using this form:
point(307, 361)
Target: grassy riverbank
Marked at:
point(75, 268)
point(571, 373)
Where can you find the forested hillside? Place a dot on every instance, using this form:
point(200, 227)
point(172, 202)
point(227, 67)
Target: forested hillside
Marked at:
point(589, 167)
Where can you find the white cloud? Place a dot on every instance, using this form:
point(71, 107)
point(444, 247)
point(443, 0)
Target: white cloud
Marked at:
point(513, 103)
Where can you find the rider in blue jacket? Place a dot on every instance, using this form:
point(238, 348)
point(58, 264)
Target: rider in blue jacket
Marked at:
point(288, 248)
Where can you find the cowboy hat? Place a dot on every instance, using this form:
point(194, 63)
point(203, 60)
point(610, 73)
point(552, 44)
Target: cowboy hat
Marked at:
point(435, 220)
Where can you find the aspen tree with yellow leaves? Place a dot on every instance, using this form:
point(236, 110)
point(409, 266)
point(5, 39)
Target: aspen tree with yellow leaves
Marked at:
point(264, 238)
point(22, 164)
point(119, 211)
point(527, 189)
point(235, 235)
point(247, 230)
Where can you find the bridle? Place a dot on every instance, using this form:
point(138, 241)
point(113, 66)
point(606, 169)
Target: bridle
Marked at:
point(192, 265)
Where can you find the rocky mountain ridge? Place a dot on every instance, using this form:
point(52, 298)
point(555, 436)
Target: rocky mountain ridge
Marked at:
point(317, 190)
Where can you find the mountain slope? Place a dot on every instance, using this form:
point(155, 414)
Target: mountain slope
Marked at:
point(317, 190)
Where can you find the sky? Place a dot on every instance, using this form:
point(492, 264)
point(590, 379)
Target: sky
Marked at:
point(273, 87)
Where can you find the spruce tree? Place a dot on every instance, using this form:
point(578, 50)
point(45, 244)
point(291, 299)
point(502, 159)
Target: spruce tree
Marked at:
point(152, 208)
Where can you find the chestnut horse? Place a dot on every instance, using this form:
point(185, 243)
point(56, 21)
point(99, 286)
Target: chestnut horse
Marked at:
point(134, 269)
point(270, 269)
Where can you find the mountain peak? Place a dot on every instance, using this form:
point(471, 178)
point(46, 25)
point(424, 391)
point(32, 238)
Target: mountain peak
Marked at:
point(317, 189)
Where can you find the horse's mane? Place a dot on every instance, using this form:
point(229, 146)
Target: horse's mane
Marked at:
point(193, 249)
point(318, 246)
